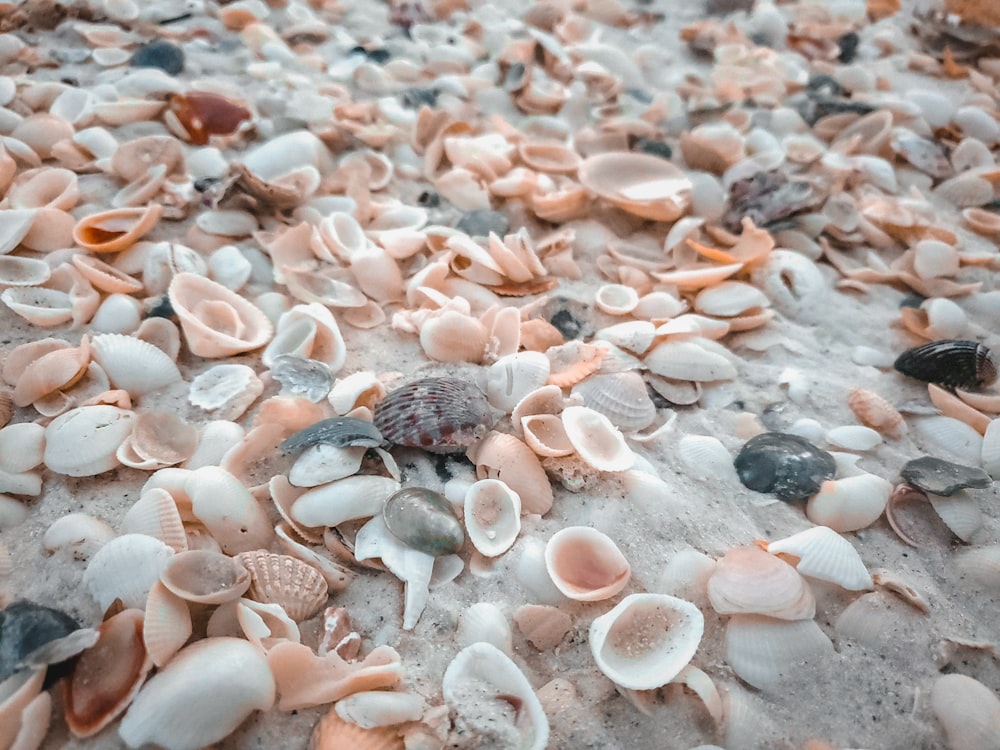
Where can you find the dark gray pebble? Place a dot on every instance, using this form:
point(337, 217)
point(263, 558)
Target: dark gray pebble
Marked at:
point(940, 477)
point(166, 56)
point(788, 466)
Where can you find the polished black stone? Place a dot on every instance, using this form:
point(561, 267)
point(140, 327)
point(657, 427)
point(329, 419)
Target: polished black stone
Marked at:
point(785, 465)
point(166, 56)
point(940, 477)
point(24, 628)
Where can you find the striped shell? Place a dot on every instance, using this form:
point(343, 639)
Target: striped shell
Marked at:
point(950, 362)
point(619, 396)
point(440, 415)
point(281, 579)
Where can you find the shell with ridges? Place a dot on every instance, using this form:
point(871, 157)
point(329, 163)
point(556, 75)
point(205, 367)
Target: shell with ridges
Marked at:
point(514, 376)
point(155, 514)
point(950, 362)
point(167, 624)
point(280, 579)
point(332, 733)
point(747, 580)
point(620, 396)
point(875, 412)
point(762, 650)
point(822, 553)
point(126, 568)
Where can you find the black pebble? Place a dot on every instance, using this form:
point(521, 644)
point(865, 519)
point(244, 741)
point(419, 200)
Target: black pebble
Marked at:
point(786, 465)
point(848, 44)
point(481, 221)
point(163, 55)
point(24, 628)
point(940, 477)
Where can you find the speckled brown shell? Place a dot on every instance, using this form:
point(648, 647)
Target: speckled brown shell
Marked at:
point(440, 415)
point(874, 411)
point(950, 362)
point(281, 579)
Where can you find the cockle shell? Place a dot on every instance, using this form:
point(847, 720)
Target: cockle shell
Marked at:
point(280, 579)
point(504, 457)
point(585, 564)
point(216, 321)
point(514, 376)
point(969, 711)
point(205, 692)
point(51, 371)
point(126, 568)
point(155, 514)
point(233, 516)
point(762, 650)
point(492, 516)
point(167, 624)
point(747, 580)
point(133, 364)
point(83, 441)
point(620, 396)
point(850, 503)
point(707, 457)
point(824, 554)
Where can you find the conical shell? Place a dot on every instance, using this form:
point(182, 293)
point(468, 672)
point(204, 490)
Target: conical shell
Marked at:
point(216, 321)
point(585, 564)
point(297, 587)
point(968, 710)
point(747, 580)
point(822, 553)
point(492, 516)
point(762, 651)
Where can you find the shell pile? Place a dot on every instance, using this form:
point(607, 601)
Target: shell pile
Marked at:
point(424, 374)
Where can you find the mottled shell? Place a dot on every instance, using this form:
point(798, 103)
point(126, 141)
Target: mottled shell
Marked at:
point(440, 415)
point(299, 588)
point(877, 413)
point(950, 362)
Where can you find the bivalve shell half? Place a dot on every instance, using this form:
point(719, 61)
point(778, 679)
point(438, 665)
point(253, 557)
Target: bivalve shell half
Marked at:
point(167, 624)
point(492, 516)
point(620, 396)
point(332, 732)
point(205, 692)
point(689, 360)
point(299, 588)
point(950, 362)
point(729, 298)
point(117, 229)
point(640, 184)
point(596, 440)
point(747, 580)
point(234, 518)
point(83, 441)
point(216, 321)
point(850, 503)
point(585, 564)
point(504, 457)
point(126, 568)
point(379, 708)
point(762, 651)
point(824, 554)
point(332, 504)
point(514, 376)
point(646, 640)
point(969, 712)
point(205, 577)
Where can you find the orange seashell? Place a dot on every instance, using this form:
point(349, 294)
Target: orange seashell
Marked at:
point(537, 335)
point(505, 457)
point(216, 321)
point(875, 412)
point(333, 733)
point(117, 229)
point(952, 406)
point(51, 372)
point(204, 114)
point(639, 184)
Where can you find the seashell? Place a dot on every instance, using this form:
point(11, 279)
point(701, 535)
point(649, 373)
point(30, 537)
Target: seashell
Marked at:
point(853, 437)
point(82, 534)
point(514, 376)
point(596, 440)
point(990, 451)
point(216, 321)
point(792, 282)
point(228, 389)
point(646, 640)
point(453, 337)
point(492, 516)
point(940, 477)
point(297, 587)
point(132, 364)
point(125, 568)
point(39, 306)
point(6, 406)
point(440, 415)
point(51, 371)
point(116, 229)
point(215, 439)
point(944, 433)
point(18, 271)
point(850, 503)
point(484, 623)
point(504, 457)
point(134, 158)
point(545, 435)
point(545, 627)
point(823, 554)
point(107, 676)
point(339, 432)
point(968, 710)
point(83, 441)
point(202, 114)
point(747, 580)
point(730, 298)
point(763, 652)
point(337, 577)
point(874, 411)
point(639, 184)
point(35, 635)
point(424, 520)
point(616, 299)
point(949, 362)
point(786, 465)
point(105, 277)
point(325, 463)
point(232, 515)
point(202, 695)
point(960, 513)
point(21, 447)
point(481, 676)
point(688, 360)
point(155, 514)
point(586, 564)
point(205, 577)
point(981, 221)
point(230, 267)
point(308, 331)
point(357, 389)
point(707, 458)
point(621, 397)
point(379, 708)
point(166, 626)
point(332, 732)
point(353, 497)
point(980, 566)
point(304, 377)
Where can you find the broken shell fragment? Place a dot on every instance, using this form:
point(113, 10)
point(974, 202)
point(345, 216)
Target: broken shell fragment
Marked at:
point(216, 321)
point(824, 554)
point(786, 465)
point(585, 564)
point(950, 362)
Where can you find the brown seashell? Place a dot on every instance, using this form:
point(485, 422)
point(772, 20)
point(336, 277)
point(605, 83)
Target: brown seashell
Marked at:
point(950, 362)
point(116, 229)
point(280, 579)
point(204, 114)
point(639, 184)
point(6, 406)
point(875, 412)
point(333, 733)
point(440, 415)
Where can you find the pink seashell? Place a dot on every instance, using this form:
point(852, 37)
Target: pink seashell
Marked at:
point(216, 321)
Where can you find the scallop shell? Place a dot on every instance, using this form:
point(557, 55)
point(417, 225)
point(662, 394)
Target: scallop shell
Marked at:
point(850, 503)
point(332, 733)
point(83, 441)
point(620, 396)
point(52, 371)
point(969, 711)
point(216, 321)
point(596, 440)
point(504, 457)
point(822, 553)
point(280, 579)
point(155, 514)
point(585, 564)
point(116, 229)
point(950, 435)
point(639, 184)
point(747, 580)
point(492, 516)
point(646, 640)
point(877, 413)
point(706, 457)
point(762, 651)
point(950, 362)
point(126, 568)
point(441, 415)
point(167, 624)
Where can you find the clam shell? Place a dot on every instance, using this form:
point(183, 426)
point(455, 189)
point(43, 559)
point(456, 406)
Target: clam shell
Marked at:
point(596, 440)
point(747, 580)
point(202, 695)
point(116, 229)
point(232, 515)
point(78, 532)
point(339, 432)
point(763, 651)
point(332, 732)
point(331, 504)
point(646, 640)
point(308, 331)
point(585, 564)
point(167, 624)
point(981, 566)
point(484, 622)
point(730, 298)
point(688, 360)
point(850, 503)
point(968, 710)
point(280, 579)
point(83, 441)
point(492, 516)
point(19, 271)
point(639, 184)
point(126, 568)
point(956, 438)
point(216, 321)
point(545, 435)
point(321, 464)
point(822, 553)
point(155, 514)
point(205, 577)
point(853, 437)
point(620, 396)
point(21, 446)
point(950, 362)
point(441, 415)
point(52, 371)
point(706, 457)
point(504, 457)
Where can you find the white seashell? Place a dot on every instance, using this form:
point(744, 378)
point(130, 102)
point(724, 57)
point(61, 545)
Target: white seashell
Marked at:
point(747, 580)
point(126, 568)
point(380, 708)
point(822, 553)
point(596, 440)
point(205, 577)
point(337, 577)
point(22, 446)
point(616, 299)
point(492, 516)
point(634, 336)
point(620, 396)
point(990, 452)
point(850, 503)
point(331, 504)
point(83, 535)
point(763, 651)
point(949, 434)
point(585, 564)
point(545, 435)
point(659, 306)
point(308, 331)
point(279, 156)
point(531, 573)
point(960, 513)
point(166, 625)
point(707, 458)
point(969, 712)
point(514, 376)
point(83, 441)
point(357, 389)
point(688, 360)
point(480, 674)
point(228, 389)
point(118, 313)
point(230, 267)
point(484, 623)
point(729, 298)
point(226, 223)
point(164, 260)
point(853, 437)
point(234, 518)
point(155, 514)
point(132, 364)
point(981, 565)
point(323, 463)
point(793, 284)
point(214, 441)
point(686, 576)
point(646, 640)
point(201, 696)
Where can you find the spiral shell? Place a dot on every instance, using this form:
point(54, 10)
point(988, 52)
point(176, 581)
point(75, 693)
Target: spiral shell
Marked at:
point(440, 415)
point(950, 362)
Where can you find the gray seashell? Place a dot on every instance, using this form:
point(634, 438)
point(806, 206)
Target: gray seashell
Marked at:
point(940, 477)
point(786, 465)
point(299, 376)
point(620, 396)
point(424, 520)
point(951, 362)
point(440, 415)
point(340, 432)
point(25, 628)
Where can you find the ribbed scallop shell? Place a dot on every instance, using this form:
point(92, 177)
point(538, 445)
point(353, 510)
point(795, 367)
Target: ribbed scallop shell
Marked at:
point(155, 514)
point(951, 362)
point(824, 554)
point(132, 364)
point(960, 513)
point(440, 415)
point(126, 568)
point(747, 580)
point(280, 579)
point(708, 458)
point(167, 624)
point(761, 650)
point(620, 396)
